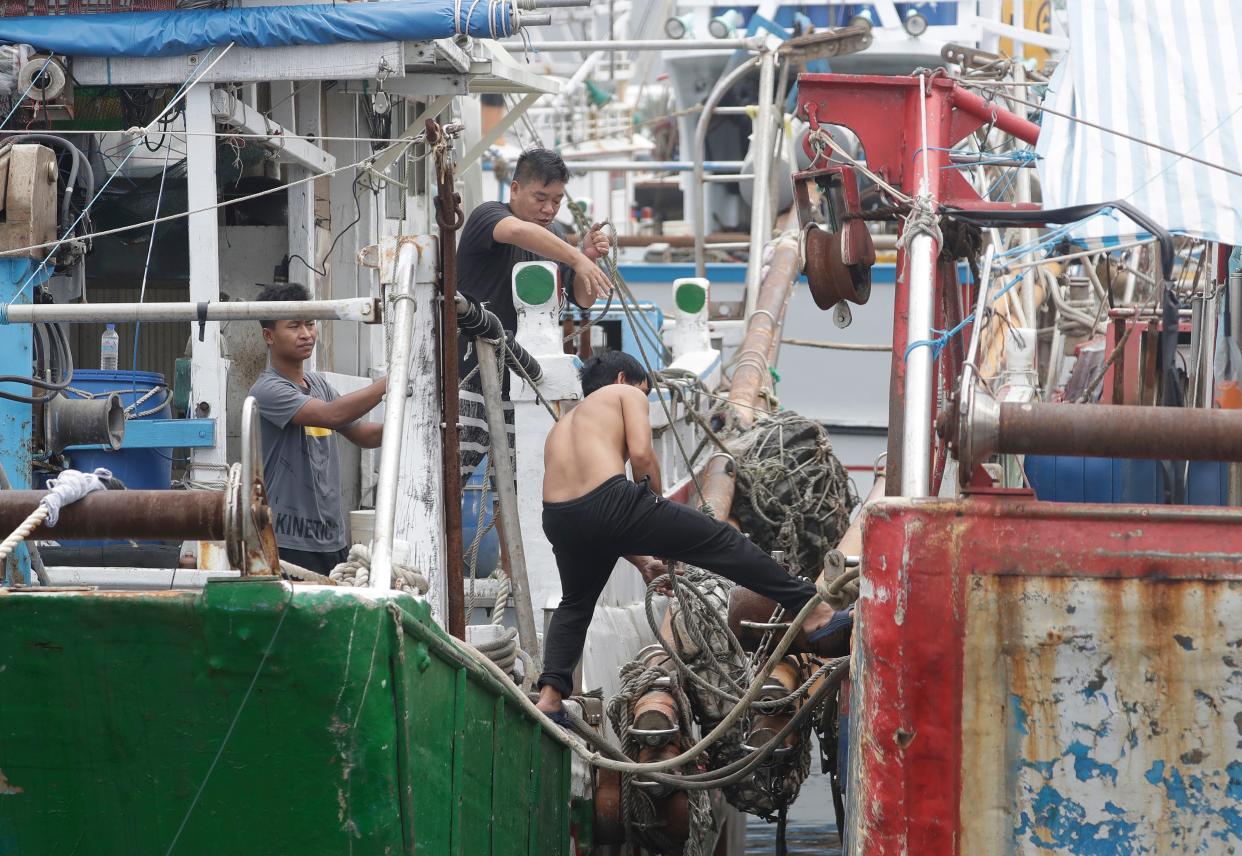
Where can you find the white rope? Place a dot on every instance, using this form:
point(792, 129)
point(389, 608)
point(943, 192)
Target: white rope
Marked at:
point(356, 571)
point(67, 488)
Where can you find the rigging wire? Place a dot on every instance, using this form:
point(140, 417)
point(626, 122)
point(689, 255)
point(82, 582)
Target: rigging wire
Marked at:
point(146, 267)
point(336, 240)
point(1131, 137)
point(181, 93)
point(103, 233)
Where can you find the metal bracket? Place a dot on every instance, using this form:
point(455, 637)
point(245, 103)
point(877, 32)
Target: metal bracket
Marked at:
point(842, 317)
point(250, 540)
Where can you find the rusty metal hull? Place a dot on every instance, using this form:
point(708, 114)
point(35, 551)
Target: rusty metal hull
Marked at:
point(1035, 678)
point(173, 515)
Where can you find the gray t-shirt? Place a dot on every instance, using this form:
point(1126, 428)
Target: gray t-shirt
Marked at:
point(301, 465)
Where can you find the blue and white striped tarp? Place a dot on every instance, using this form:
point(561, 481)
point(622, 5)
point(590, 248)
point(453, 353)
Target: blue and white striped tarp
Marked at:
point(1164, 72)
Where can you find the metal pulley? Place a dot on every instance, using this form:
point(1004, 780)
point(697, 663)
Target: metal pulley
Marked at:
point(838, 264)
point(42, 78)
point(836, 246)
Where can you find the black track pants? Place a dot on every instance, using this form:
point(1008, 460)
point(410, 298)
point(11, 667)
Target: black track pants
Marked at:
point(620, 518)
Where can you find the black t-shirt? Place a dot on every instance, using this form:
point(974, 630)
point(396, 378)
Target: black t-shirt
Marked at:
point(485, 266)
point(485, 270)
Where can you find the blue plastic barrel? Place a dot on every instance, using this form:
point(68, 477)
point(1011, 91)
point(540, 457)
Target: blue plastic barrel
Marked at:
point(478, 492)
point(138, 469)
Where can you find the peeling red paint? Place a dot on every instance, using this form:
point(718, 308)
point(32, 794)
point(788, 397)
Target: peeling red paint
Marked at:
point(926, 564)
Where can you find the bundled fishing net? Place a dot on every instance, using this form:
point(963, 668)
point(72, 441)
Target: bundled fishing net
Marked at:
point(793, 494)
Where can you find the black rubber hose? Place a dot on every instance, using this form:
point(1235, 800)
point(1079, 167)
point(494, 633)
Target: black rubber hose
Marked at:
point(1071, 215)
point(476, 321)
point(54, 387)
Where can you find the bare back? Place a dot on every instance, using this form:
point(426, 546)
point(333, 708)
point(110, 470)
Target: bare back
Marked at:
point(592, 443)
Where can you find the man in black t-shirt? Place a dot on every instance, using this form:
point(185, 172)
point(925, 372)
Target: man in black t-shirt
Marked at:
point(497, 236)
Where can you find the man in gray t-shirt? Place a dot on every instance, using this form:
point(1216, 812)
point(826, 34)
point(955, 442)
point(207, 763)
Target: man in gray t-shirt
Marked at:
point(301, 414)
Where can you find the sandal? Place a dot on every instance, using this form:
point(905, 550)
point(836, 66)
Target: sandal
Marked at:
point(833, 639)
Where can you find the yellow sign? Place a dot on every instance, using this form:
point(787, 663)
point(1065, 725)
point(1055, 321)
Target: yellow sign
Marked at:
point(312, 431)
point(1036, 16)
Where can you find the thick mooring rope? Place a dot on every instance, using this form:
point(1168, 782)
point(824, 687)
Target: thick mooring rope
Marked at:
point(356, 571)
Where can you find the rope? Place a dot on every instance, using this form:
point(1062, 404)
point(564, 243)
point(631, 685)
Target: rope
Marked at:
point(1130, 137)
point(637, 808)
point(68, 487)
point(133, 405)
point(820, 140)
point(356, 571)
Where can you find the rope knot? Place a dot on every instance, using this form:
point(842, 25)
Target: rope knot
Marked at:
point(70, 486)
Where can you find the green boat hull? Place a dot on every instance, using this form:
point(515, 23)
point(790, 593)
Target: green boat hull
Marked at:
point(250, 718)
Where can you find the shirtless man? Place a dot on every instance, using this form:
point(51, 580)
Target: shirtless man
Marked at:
point(593, 515)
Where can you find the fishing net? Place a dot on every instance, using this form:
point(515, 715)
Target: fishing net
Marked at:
point(793, 494)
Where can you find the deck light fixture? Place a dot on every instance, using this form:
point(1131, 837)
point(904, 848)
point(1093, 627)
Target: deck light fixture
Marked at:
point(679, 27)
point(915, 23)
point(726, 24)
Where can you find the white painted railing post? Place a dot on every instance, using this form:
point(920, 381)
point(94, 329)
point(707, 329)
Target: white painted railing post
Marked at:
point(409, 509)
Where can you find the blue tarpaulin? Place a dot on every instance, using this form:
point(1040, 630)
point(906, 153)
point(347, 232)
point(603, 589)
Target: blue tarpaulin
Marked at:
point(175, 33)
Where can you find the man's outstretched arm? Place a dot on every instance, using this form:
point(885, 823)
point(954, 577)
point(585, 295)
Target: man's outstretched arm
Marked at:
point(343, 410)
point(589, 281)
point(365, 435)
point(637, 415)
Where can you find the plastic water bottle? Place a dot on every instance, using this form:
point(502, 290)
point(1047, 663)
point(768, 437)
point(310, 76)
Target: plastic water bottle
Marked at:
point(109, 349)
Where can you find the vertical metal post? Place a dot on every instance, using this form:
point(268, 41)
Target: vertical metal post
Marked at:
point(1234, 331)
point(919, 391)
point(208, 369)
point(1030, 281)
point(402, 307)
point(502, 463)
point(761, 194)
point(916, 434)
point(410, 500)
point(16, 418)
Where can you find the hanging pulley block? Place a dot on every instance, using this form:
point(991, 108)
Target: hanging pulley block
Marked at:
point(838, 264)
point(837, 250)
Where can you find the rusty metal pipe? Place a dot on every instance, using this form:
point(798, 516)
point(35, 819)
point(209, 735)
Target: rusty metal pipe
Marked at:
point(449, 218)
point(751, 375)
point(719, 482)
point(1118, 430)
point(785, 678)
point(147, 515)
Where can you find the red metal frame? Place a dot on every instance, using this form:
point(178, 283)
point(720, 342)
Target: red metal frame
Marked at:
point(886, 113)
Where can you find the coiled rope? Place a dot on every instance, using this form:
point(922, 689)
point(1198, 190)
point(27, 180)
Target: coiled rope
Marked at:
point(356, 571)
